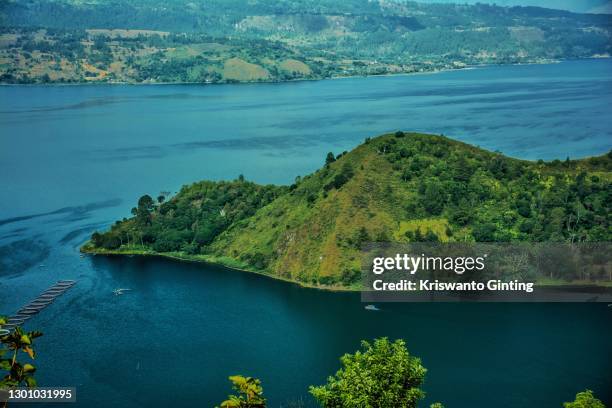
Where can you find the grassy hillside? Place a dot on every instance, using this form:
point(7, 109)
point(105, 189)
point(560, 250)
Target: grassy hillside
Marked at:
point(403, 187)
point(270, 40)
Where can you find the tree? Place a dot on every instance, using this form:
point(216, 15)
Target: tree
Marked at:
point(111, 241)
point(382, 374)
point(17, 374)
point(350, 276)
point(145, 203)
point(340, 178)
point(143, 212)
point(362, 236)
point(498, 166)
point(330, 158)
point(523, 207)
point(96, 239)
point(431, 236)
point(417, 235)
point(434, 197)
point(250, 393)
point(484, 232)
point(556, 223)
point(462, 170)
point(584, 399)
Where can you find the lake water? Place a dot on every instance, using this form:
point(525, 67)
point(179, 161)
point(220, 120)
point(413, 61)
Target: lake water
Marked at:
point(75, 158)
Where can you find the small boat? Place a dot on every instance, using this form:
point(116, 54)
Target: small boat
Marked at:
point(372, 308)
point(120, 291)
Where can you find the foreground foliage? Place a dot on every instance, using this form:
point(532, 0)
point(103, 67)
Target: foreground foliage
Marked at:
point(584, 399)
point(402, 187)
point(250, 393)
point(382, 374)
point(17, 374)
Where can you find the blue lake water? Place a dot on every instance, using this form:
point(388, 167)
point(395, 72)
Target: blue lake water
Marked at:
point(75, 158)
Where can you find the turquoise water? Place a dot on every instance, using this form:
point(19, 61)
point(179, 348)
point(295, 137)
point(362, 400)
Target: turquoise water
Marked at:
point(75, 158)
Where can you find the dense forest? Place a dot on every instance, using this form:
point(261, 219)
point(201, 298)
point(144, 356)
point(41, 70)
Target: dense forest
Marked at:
point(403, 187)
point(265, 40)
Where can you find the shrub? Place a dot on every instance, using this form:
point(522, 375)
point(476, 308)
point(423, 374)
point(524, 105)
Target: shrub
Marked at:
point(584, 399)
point(381, 374)
point(250, 393)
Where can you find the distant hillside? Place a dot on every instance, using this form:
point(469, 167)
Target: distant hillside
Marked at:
point(577, 6)
point(399, 188)
point(270, 40)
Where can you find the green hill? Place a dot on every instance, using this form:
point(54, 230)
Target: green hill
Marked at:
point(402, 187)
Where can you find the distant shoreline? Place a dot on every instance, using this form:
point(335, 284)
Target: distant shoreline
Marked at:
point(337, 77)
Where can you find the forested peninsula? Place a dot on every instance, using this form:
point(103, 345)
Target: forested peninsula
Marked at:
point(401, 187)
point(225, 41)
